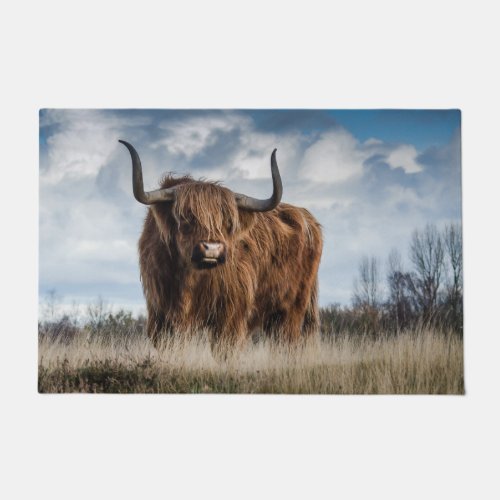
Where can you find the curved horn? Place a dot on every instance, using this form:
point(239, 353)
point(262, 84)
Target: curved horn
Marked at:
point(255, 205)
point(150, 197)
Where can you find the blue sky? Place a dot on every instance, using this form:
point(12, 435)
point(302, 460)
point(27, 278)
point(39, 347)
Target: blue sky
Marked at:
point(369, 176)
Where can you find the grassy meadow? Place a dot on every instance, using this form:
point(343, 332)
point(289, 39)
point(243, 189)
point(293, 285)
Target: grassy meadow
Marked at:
point(423, 361)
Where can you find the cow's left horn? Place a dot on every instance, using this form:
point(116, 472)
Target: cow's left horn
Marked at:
point(255, 205)
point(149, 197)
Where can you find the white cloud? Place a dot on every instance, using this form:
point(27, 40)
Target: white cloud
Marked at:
point(373, 142)
point(77, 153)
point(254, 156)
point(404, 156)
point(82, 144)
point(191, 136)
point(250, 159)
point(334, 157)
point(337, 156)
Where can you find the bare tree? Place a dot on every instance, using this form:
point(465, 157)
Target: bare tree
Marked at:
point(399, 304)
point(452, 237)
point(394, 261)
point(427, 256)
point(367, 285)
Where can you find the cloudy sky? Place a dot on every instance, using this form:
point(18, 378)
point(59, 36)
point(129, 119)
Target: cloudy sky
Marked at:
point(370, 178)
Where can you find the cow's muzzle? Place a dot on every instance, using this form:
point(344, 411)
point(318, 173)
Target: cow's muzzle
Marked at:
point(208, 254)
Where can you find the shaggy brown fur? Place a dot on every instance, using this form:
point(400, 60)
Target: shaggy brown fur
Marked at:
point(268, 282)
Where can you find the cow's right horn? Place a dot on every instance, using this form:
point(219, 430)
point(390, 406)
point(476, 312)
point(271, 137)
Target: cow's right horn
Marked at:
point(255, 205)
point(150, 197)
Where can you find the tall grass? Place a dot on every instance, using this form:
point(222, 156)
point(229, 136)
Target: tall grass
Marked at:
point(423, 361)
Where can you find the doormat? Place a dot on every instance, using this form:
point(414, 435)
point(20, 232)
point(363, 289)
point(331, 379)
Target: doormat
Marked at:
point(250, 251)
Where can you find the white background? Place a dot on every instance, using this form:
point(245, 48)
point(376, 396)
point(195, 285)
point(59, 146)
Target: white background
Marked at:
point(243, 55)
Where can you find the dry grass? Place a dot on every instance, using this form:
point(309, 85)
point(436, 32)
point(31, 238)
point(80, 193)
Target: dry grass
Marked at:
point(423, 362)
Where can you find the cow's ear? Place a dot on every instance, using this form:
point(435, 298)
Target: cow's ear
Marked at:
point(164, 219)
point(247, 220)
point(163, 211)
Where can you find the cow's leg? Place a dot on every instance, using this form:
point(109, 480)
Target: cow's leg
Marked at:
point(284, 325)
point(311, 325)
point(229, 340)
point(158, 328)
point(228, 325)
point(290, 329)
point(299, 320)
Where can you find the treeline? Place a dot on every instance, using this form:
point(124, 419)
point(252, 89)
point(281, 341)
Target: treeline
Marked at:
point(429, 293)
point(97, 321)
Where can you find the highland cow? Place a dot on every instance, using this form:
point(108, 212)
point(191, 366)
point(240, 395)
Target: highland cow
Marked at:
point(215, 260)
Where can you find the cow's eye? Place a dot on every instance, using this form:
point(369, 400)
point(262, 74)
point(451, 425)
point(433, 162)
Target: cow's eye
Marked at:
point(186, 228)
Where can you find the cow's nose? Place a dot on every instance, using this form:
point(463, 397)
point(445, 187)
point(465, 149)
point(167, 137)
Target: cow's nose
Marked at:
point(208, 253)
point(212, 250)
